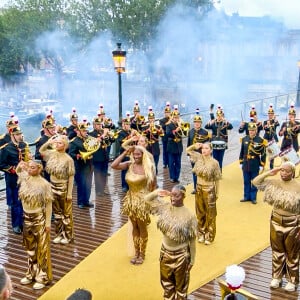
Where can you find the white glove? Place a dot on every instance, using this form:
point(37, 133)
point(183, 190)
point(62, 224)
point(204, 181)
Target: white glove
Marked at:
point(260, 168)
point(241, 166)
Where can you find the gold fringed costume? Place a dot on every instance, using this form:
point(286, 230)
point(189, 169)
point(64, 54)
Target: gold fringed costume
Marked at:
point(208, 174)
point(61, 168)
point(134, 205)
point(36, 196)
point(284, 196)
point(179, 228)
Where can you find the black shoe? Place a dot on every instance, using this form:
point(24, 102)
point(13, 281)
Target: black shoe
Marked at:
point(17, 230)
point(176, 181)
point(81, 206)
point(89, 205)
point(193, 192)
point(172, 180)
point(253, 201)
point(244, 200)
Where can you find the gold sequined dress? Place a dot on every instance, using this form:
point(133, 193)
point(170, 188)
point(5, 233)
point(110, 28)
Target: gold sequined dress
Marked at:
point(134, 205)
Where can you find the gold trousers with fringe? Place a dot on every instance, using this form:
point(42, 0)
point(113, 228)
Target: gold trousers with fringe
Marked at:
point(174, 274)
point(62, 209)
point(37, 244)
point(206, 211)
point(284, 236)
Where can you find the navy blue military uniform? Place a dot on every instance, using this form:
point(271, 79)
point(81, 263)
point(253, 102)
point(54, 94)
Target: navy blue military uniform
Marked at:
point(270, 127)
point(123, 135)
point(290, 135)
point(10, 156)
point(83, 172)
point(252, 157)
point(100, 161)
point(219, 133)
point(164, 139)
point(174, 149)
point(153, 134)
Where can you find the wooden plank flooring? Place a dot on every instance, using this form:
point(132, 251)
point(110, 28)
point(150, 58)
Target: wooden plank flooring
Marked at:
point(94, 226)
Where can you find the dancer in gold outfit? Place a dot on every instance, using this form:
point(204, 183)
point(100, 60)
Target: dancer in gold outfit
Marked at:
point(284, 195)
point(141, 180)
point(36, 196)
point(208, 172)
point(179, 227)
point(61, 168)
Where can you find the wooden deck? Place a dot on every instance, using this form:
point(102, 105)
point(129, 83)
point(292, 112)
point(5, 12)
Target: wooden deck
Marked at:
point(94, 226)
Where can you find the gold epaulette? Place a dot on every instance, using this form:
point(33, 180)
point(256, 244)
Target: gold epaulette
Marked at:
point(265, 142)
point(3, 146)
point(241, 139)
point(2, 136)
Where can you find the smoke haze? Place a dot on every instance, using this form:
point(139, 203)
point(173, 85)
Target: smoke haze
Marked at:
point(192, 63)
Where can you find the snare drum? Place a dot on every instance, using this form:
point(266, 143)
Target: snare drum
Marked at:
point(218, 145)
point(273, 149)
point(290, 155)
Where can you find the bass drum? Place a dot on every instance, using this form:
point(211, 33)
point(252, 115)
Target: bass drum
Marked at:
point(290, 155)
point(273, 150)
point(218, 145)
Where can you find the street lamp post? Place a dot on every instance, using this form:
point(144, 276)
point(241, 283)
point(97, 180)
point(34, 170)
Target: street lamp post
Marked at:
point(119, 57)
point(298, 89)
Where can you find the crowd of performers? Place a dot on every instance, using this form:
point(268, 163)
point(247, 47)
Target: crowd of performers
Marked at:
point(39, 186)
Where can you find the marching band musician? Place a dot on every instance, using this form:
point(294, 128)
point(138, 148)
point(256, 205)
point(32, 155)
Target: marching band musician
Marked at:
point(137, 120)
point(163, 123)
point(4, 139)
point(11, 154)
point(49, 130)
point(197, 135)
point(219, 128)
point(153, 132)
point(11, 122)
point(252, 159)
point(253, 117)
point(289, 131)
point(174, 147)
point(101, 156)
point(270, 127)
point(83, 166)
point(124, 135)
point(71, 130)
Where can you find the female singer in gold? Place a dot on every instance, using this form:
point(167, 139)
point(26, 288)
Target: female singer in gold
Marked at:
point(141, 180)
point(61, 168)
point(284, 195)
point(36, 196)
point(208, 174)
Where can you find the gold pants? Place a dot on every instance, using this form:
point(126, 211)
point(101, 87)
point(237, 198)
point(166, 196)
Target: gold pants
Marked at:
point(206, 211)
point(284, 235)
point(62, 210)
point(37, 244)
point(174, 274)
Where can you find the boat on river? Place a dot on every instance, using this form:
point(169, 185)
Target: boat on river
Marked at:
point(34, 109)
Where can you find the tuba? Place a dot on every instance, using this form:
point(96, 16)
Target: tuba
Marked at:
point(91, 145)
